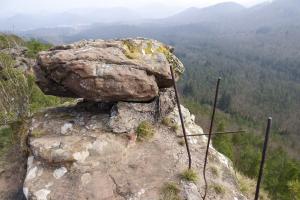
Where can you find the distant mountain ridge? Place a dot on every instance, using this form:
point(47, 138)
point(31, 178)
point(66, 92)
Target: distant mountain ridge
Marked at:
point(212, 13)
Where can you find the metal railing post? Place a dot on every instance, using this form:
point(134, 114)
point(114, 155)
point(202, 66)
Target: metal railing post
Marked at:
point(209, 136)
point(181, 118)
point(263, 158)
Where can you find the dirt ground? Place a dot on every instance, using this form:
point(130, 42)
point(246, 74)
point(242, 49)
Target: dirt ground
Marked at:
point(12, 173)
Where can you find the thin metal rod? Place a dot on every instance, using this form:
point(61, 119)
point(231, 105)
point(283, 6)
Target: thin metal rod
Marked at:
point(209, 136)
point(215, 133)
point(263, 158)
point(181, 118)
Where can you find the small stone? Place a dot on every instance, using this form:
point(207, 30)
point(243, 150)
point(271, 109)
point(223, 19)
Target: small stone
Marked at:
point(81, 156)
point(25, 191)
point(99, 145)
point(49, 185)
point(65, 128)
point(32, 173)
point(30, 162)
point(86, 178)
point(42, 194)
point(60, 172)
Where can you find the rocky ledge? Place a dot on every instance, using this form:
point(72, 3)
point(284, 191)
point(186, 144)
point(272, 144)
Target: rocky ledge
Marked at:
point(113, 145)
point(108, 70)
point(76, 154)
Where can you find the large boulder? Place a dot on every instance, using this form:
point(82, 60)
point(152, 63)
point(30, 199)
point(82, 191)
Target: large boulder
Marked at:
point(108, 70)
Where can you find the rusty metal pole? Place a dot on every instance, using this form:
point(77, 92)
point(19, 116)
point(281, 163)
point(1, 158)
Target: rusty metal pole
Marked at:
point(263, 158)
point(209, 136)
point(215, 133)
point(181, 118)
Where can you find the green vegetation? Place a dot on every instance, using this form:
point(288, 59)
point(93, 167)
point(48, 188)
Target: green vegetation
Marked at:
point(181, 142)
point(281, 171)
point(34, 47)
point(37, 133)
point(248, 186)
point(15, 133)
point(214, 170)
point(294, 188)
point(20, 96)
point(170, 191)
point(168, 122)
point(219, 189)
point(145, 131)
point(171, 59)
point(6, 134)
point(189, 175)
point(14, 91)
point(10, 41)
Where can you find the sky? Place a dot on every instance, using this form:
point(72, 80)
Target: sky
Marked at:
point(11, 7)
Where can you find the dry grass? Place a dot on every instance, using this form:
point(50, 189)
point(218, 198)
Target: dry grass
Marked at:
point(214, 170)
point(170, 191)
point(145, 131)
point(219, 189)
point(189, 175)
point(248, 186)
point(168, 122)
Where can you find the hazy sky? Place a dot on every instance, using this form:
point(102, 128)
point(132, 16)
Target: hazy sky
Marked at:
point(9, 7)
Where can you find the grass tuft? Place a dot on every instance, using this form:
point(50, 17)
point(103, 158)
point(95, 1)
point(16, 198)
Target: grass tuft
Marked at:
point(145, 131)
point(170, 191)
point(189, 175)
point(214, 170)
point(247, 187)
point(168, 122)
point(181, 142)
point(218, 189)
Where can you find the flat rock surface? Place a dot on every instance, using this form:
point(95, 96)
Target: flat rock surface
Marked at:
point(108, 70)
point(76, 156)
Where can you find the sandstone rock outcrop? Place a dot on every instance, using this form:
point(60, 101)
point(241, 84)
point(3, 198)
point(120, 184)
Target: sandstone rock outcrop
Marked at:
point(112, 70)
point(93, 150)
point(76, 155)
